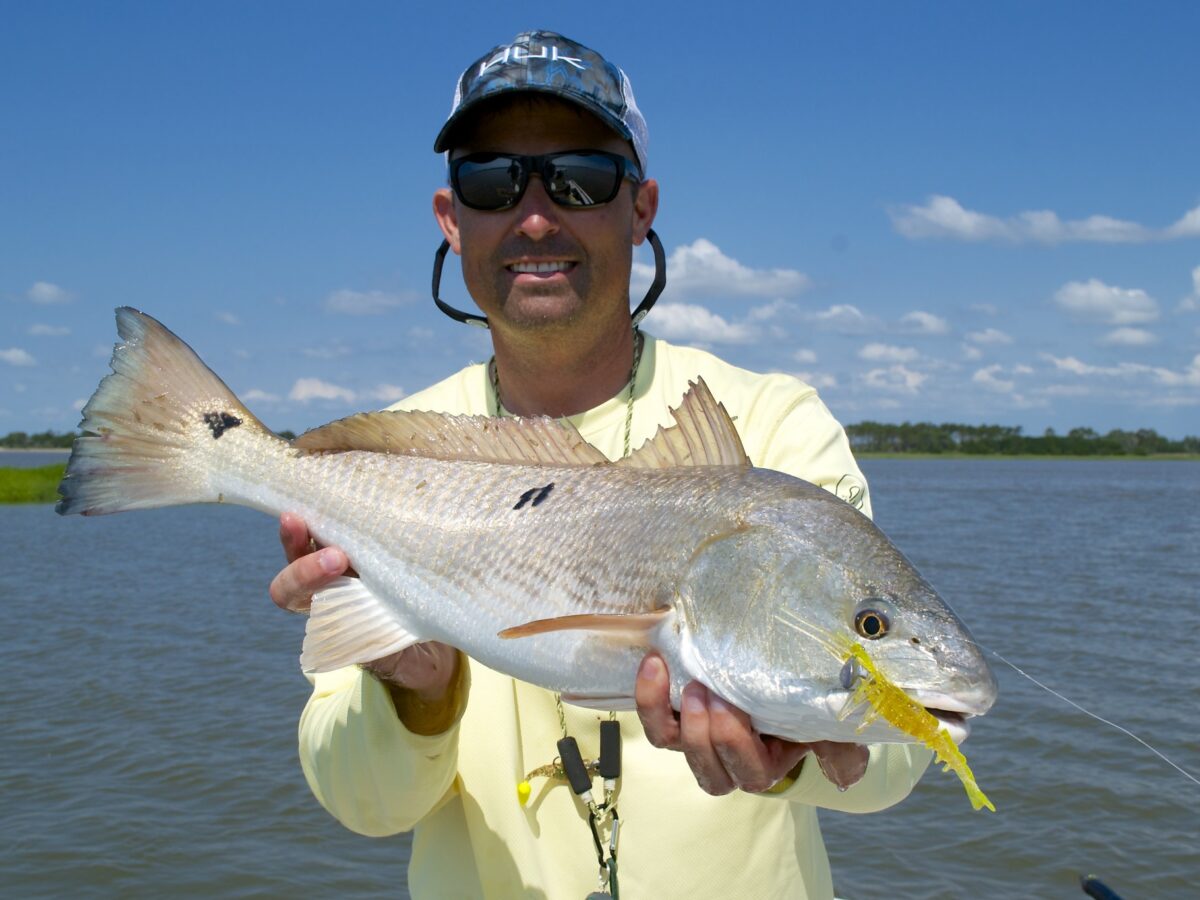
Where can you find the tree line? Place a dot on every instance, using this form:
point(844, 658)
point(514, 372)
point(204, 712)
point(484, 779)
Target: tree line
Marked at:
point(926, 437)
point(51, 440)
point(881, 437)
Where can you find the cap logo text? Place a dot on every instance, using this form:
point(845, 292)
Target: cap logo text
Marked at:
point(517, 55)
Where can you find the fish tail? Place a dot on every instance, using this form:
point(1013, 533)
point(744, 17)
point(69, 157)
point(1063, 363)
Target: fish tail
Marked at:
point(155, 429)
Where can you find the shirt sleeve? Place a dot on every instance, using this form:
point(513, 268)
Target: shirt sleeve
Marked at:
point(370, 772)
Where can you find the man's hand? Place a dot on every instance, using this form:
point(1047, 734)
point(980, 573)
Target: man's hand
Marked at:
point(723, 749)
point(427, 670)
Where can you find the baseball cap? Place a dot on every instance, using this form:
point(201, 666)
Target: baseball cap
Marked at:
point(546, 62)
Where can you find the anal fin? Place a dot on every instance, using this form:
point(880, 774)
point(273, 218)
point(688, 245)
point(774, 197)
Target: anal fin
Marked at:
point(348, 624)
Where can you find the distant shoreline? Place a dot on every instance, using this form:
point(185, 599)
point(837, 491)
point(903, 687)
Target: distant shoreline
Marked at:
point(1104, 457)
point(35, 449)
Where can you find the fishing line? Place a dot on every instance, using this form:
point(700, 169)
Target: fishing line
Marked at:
point(1182, 771)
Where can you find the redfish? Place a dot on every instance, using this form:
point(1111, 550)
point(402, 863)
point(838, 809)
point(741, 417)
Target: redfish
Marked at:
point(518, 542)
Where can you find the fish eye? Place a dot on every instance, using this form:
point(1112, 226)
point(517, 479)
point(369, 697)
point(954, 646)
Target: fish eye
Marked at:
point(871, 624)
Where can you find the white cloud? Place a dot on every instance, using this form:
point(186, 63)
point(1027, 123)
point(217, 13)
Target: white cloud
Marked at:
point(227, 318)
point(327, 351)
point(1093, 300)
point(843, 318)
point(920, 322)
point(897, 379)
point(363, 303)
point(769, 311)
point(15, 356)
point(989, 336)
point(876, 352)
point(804, 356)
point(1188, 225)
point(1128, 337)
point(385, 393)
point(46, 294)
point(688, 322)
point(945, 217)
point(1191, 303)
point(49, 330)
point(306, 389)
point(254, 395)
point(1086, 370)
point(989, 378)
point(971, 353)
point(820, 380)
point(701, 269)
point(988, 309)
point(1189, 377)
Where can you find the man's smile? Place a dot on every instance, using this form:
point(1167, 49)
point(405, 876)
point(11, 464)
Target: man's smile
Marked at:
point(549, 267)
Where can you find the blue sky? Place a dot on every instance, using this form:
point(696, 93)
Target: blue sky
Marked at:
point(932, 211)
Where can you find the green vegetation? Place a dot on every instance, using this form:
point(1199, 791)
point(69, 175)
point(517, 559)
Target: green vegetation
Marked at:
point(30, 485)
point(990, 440)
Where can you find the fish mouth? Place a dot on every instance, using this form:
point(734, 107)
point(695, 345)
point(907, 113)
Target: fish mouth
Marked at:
point(953, 713)
point(956, 724)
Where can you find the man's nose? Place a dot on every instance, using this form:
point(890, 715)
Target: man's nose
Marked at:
point(537, 214)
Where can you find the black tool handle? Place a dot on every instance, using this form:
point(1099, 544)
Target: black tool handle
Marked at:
point(610, 749)
point(572, 763)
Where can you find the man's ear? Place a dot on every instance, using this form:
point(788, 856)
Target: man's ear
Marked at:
point(446, 213)
point(645, 207)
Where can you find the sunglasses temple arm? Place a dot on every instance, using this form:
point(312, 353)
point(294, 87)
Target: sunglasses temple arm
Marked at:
point(660, 279)
point(439, 258)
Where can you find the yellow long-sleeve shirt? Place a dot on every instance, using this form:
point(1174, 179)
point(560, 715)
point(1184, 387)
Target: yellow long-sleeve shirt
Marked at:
point(457, 790)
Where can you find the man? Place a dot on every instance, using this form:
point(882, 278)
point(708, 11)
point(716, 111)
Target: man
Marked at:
point(547, 155)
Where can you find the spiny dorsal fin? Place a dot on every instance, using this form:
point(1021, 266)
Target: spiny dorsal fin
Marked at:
point(703, 435)
point(540, 441)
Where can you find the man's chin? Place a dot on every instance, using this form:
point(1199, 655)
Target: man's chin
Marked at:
point(541, 311)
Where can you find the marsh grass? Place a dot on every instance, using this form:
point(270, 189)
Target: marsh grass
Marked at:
point(38, 485)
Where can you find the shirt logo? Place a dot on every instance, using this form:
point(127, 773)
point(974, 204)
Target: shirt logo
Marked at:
point(519, 56)
point(851, 489)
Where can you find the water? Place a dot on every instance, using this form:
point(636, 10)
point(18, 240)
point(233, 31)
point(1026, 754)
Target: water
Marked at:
point(31, 459)
point(148, 744)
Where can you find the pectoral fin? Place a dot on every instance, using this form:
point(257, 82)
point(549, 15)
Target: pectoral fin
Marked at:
point(348, 624)
point(634, 626)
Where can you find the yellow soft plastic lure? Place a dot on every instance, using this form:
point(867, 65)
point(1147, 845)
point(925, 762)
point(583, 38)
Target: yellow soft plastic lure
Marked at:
point(897, 708)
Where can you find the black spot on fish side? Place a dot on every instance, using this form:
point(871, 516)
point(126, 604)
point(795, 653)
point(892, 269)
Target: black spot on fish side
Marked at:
point(537, 495)
point(220, 422)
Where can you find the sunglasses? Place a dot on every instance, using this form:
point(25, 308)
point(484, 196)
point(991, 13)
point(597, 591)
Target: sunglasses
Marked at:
point(573, 178)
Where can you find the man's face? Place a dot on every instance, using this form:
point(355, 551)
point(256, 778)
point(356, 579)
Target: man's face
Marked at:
point(539, 265)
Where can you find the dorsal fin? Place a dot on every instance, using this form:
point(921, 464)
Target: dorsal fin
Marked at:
point(534, 441)
point(703, 435)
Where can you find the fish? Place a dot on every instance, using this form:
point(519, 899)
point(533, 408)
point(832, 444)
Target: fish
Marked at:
point(522, 545)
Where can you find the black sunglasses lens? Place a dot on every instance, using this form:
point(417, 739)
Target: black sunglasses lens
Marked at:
point(581, 179)
point(489, 182)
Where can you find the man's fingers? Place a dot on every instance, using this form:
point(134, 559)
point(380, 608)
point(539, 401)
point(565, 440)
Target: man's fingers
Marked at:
point(696, 742)
point(843, 764)
point(653, 696)
point(741, 751)
point(293, 535)
point(293, 588)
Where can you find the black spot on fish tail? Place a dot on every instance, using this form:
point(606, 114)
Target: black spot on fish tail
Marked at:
point(220, 422)
point(537, 495)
